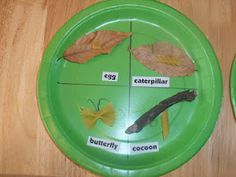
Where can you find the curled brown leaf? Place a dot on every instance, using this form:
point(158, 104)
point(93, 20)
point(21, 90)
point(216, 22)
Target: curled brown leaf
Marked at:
point(93, 44)
point(165, 59)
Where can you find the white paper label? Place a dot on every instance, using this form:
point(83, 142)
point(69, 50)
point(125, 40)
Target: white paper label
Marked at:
point(108, 145)
point(110, 76)
point(141, 81)
point(141, 148)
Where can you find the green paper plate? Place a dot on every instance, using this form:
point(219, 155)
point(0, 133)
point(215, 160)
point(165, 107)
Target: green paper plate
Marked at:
point(65, 87)
point(233, 86)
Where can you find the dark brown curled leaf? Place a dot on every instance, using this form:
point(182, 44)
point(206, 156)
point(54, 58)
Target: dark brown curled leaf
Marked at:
point(93, 44)
point(165, 59)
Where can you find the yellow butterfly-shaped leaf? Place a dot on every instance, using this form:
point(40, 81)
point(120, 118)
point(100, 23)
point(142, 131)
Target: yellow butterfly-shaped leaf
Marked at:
point(106, 114)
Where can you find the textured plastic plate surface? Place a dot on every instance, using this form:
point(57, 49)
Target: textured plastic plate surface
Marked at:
point(64, 87)
point(233, 86)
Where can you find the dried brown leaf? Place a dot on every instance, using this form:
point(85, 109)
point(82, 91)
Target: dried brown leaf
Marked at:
point(93, 44)
point(165, 59)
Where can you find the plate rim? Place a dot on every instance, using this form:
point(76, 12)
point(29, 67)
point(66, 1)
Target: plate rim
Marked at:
point(47, 116)
point(232, 85)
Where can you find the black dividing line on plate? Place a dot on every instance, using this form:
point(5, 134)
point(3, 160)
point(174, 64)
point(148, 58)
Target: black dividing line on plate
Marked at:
point(94, 85)
point(130, 67)
point(106, 85)
point(130, 76)
point(168, 88)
